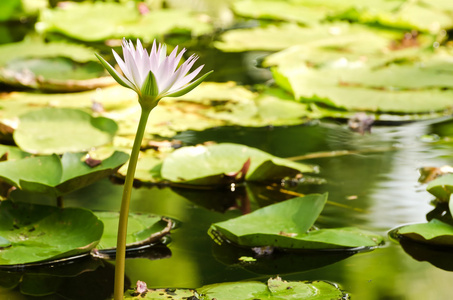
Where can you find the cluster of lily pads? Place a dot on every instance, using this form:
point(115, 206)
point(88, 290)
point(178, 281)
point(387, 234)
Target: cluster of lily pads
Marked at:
point(72, 126)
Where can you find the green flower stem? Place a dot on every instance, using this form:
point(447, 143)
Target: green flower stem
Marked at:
point(124, 212)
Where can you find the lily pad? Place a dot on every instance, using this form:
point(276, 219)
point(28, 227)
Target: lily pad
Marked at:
point(320, 86)
point(286, 225)
point(275, 38)
point(141, 229)
point(57, 176)
point(441, 187)
point(433, 233)
point(275, 288)
point(36, 48)
point(428, 17)
point(38, 233)
point(222, 163)
point(12, 153)
point(119, 20)
point(398, 14)
point(162, 294)
point(54, 74)
point(59, 130)
point(279, 10)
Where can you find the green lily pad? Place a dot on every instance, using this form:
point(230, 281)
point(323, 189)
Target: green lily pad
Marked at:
point(54, 74)
point(36, 48)
point(212, 165)
point(278, 10)
point(398, 14)
point(275, 38)
point(39, 233)
point(321, 86)
point(433, 233)
point(441, 187)
point(119, 20)
point(286, 225)
point(7, 9)
point(141, 229)
point(349, 49)
point(17, 10)
point(4, 243)
point(274, 289)
point(12, 152)
point(162, 294)
point(57, 176)
point(59, 130)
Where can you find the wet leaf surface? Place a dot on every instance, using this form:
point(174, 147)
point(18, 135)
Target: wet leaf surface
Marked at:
point(286, 225)
point(57, 74)
point(59, 130)
point(39, 233)
point(276, 288)
point(433, 233)
point(216, 164)
point(57, 176)
point(441, 187)
point(118, 21)
point(139, 229)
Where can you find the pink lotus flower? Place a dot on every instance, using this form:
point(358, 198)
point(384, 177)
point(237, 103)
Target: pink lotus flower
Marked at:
point(156, 75)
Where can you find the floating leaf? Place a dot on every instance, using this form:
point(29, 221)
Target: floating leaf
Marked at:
point(12, 153)
point(141, 229)
point(320, 86)
point(348, 50)
point(434, 233)
point(398, 14)
point(119, 20)
point(57, 176)
point(274, 289)
point(35, 48)
point(279, 10)
point(286, 224)
point(54, 74)
point(39, 233)
point(274, 38)
point(162, 294)
point(215, 165)
point(59, 130)
point(441, 187)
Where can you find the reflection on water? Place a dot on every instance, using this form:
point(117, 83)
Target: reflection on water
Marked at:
point(374, 190)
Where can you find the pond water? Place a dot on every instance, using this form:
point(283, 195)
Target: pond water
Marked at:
point(375, 188)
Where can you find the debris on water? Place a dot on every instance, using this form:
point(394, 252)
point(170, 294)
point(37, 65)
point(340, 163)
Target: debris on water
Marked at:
point(428, 174)
point(263, 251)
point(92, 162)
point(361, 123)
point(140, 289)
